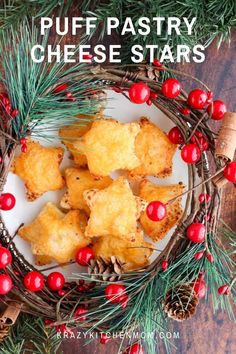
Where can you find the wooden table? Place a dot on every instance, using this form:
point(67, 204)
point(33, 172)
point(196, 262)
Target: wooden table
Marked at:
point(206, 332)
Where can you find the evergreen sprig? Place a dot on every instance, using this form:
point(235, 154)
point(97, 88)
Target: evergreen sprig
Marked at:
point(29, 335)
point(215, 19)
point(31, 85)
point(144, 311)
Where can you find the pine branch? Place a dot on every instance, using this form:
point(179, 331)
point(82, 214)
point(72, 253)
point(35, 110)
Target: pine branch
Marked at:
point(30, 86)
point(13, 12)
point(29, 335)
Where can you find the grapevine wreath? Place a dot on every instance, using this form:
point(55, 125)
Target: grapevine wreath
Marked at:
point(194, 264)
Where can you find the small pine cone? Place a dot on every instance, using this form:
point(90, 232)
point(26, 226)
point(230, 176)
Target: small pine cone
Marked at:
point(150, 72)
point(108, 270)
point(180, 303)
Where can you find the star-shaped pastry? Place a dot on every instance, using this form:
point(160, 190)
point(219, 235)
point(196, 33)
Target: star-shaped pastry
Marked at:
point(54, 235)
point(109, 146)
point(154, 150)
point(114, 211)
point(78, 181)
point(151, 192)
point(71, 137)
point(39, 168)
point(132, 255)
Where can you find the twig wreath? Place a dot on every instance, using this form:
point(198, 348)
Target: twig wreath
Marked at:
point(33, 97)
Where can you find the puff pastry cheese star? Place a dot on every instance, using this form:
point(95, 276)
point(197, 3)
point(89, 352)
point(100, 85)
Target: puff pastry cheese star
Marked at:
point(110, 145)
point(132, 255)
point(154, 150)
point(71, 137)
point(78, 181)
point(39, 168)
point(114, 211)
point(54, 235)
point(151, 192)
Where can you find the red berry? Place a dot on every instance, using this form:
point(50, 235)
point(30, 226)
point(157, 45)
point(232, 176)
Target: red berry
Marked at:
point(84, 256)
point(55, 281)
point(185, 111)
point(190, 153)
point(200, 140)
point(34, 281)
point(156, 211)
point(210, 257)
point(48, 322)
point(200, 288)
point(7, 201)
point(164, 265)
point(197, 98)
point(171, 88)
point(217, 109)
point(223, 290)
point(5, 257)
point(60, 88)
point(196, 232)
point(63, 329)
point(5, 284)
point(69, 94)
point(61, 292)
point(175, 136)
point(153, 95)
point(79, 312)
point(14, 113)
point(117, 89)
point(156, 62)
point(204, 197)
point(115, 293)
point(230, 171)
point(149, 102)
point(104, 338)
point(8, 108)
point(209, 96)
point(87, 57)
point(124, 301)
point(23, 141)
point(134, 349)
point(199, 255)
point(24, 148)
point(139, 93)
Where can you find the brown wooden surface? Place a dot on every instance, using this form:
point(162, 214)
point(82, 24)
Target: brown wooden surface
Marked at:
point(206, 332)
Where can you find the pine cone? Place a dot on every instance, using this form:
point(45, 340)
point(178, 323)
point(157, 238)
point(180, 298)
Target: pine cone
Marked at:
point(109, 270)
point(181, 302)
point(150, 72)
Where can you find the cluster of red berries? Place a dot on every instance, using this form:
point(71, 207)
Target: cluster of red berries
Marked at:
point(6, 107)
point(63, 87)
point(23, 142)
point(200, 254)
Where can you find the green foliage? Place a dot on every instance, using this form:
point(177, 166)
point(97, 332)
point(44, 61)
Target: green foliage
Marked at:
point(29, 335)
point(30, 85)
point(147, 292)
point(13, 12)
point(215, 19)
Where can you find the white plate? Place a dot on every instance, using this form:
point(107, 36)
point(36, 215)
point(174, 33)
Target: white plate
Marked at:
point(120, 108)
